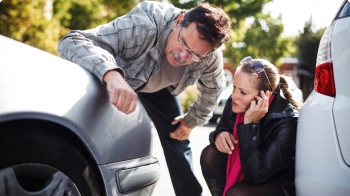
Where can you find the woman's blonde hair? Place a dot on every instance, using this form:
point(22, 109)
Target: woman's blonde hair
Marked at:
point(276, 79)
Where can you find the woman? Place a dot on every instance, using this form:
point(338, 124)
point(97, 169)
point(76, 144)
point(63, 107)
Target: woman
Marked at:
point(252, 149)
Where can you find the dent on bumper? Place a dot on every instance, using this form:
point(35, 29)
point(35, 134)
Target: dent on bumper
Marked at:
point(132, 177)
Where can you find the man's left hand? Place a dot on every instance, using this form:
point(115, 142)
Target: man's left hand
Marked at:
point(183, 131)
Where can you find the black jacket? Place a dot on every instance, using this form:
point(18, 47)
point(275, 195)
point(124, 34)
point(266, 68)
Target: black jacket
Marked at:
point(267, 147)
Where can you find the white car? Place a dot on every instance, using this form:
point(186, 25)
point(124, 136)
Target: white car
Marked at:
point(323, 136)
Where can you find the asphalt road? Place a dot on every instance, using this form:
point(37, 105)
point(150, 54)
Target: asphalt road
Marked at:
point(199, 139)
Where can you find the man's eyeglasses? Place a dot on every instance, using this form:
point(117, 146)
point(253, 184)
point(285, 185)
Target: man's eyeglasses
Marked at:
point(191, 54)
point(256, 66)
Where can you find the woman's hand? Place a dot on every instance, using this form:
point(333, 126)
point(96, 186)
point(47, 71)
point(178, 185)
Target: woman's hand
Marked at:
point(258, 108)
point(224, 142)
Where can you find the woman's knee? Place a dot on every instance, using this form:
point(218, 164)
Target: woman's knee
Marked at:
point(237, 190)
point(213, 162)
point(207, 154)
point(269, 187)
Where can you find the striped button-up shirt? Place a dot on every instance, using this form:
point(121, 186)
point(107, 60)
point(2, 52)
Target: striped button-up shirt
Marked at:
point(133, 45)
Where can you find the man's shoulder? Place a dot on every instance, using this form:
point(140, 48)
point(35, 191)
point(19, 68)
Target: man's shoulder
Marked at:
point(156, 12)
point(158, 7)
point(215, 58)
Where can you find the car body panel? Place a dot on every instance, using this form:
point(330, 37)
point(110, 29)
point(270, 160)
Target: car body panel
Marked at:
point(317, 151)
point(53, 89)
point(38, 86)
point(110, 171)
point(341, 57)
point(322, 145)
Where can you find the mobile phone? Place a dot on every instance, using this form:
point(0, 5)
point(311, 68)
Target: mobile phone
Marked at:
point(256, 101)
point(247, 108)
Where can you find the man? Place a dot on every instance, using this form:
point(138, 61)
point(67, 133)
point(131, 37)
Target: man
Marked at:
point(153, 53)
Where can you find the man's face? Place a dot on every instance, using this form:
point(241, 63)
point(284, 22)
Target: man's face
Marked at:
point(184, 45)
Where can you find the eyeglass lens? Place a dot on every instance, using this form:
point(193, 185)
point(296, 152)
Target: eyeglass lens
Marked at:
point(255, 65)
point(192, 55)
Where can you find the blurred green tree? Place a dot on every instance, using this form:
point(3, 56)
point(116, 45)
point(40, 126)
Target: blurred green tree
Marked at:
point(187, 97)
point(260, 38)
point(30, 22)
point(307, 43)
point(81, 14)
point(118, 8)
point(237, 10)
point(42, 23)
point(253, 33)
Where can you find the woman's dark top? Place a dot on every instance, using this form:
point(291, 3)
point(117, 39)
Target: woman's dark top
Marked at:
point(267, 147)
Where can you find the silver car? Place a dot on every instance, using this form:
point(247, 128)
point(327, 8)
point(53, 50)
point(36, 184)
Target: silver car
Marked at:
point(217, 112)
point(59, 135)
point(323, 136)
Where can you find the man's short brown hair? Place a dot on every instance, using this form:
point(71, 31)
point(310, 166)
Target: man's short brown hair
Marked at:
point(213, 24)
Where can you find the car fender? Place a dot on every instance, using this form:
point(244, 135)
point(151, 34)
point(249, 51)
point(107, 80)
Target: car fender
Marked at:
point(37, 85)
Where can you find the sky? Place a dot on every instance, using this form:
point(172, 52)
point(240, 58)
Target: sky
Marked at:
point(296, 12)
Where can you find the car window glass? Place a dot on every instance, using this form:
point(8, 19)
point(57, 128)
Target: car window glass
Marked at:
point(345, 11)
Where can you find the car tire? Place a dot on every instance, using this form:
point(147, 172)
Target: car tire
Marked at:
point(42, 163)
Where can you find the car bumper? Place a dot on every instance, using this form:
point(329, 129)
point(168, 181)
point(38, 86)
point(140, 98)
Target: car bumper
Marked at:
point(320, 168)
point(132, 177)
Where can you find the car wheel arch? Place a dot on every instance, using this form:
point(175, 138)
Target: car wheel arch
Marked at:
point(63, 132)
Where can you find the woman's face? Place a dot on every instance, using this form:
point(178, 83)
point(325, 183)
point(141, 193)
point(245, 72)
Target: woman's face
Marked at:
point(244, 91)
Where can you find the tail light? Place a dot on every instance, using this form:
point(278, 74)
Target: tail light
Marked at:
point(324, 79)
point(324, 76)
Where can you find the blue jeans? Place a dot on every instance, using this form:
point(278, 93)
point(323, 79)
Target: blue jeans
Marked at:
point(162, 108)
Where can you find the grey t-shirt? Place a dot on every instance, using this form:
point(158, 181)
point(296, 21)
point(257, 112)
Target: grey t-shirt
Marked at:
point(166, 76)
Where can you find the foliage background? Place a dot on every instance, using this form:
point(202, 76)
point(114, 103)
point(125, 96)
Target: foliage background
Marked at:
point(187, 97)
point(42, 23)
